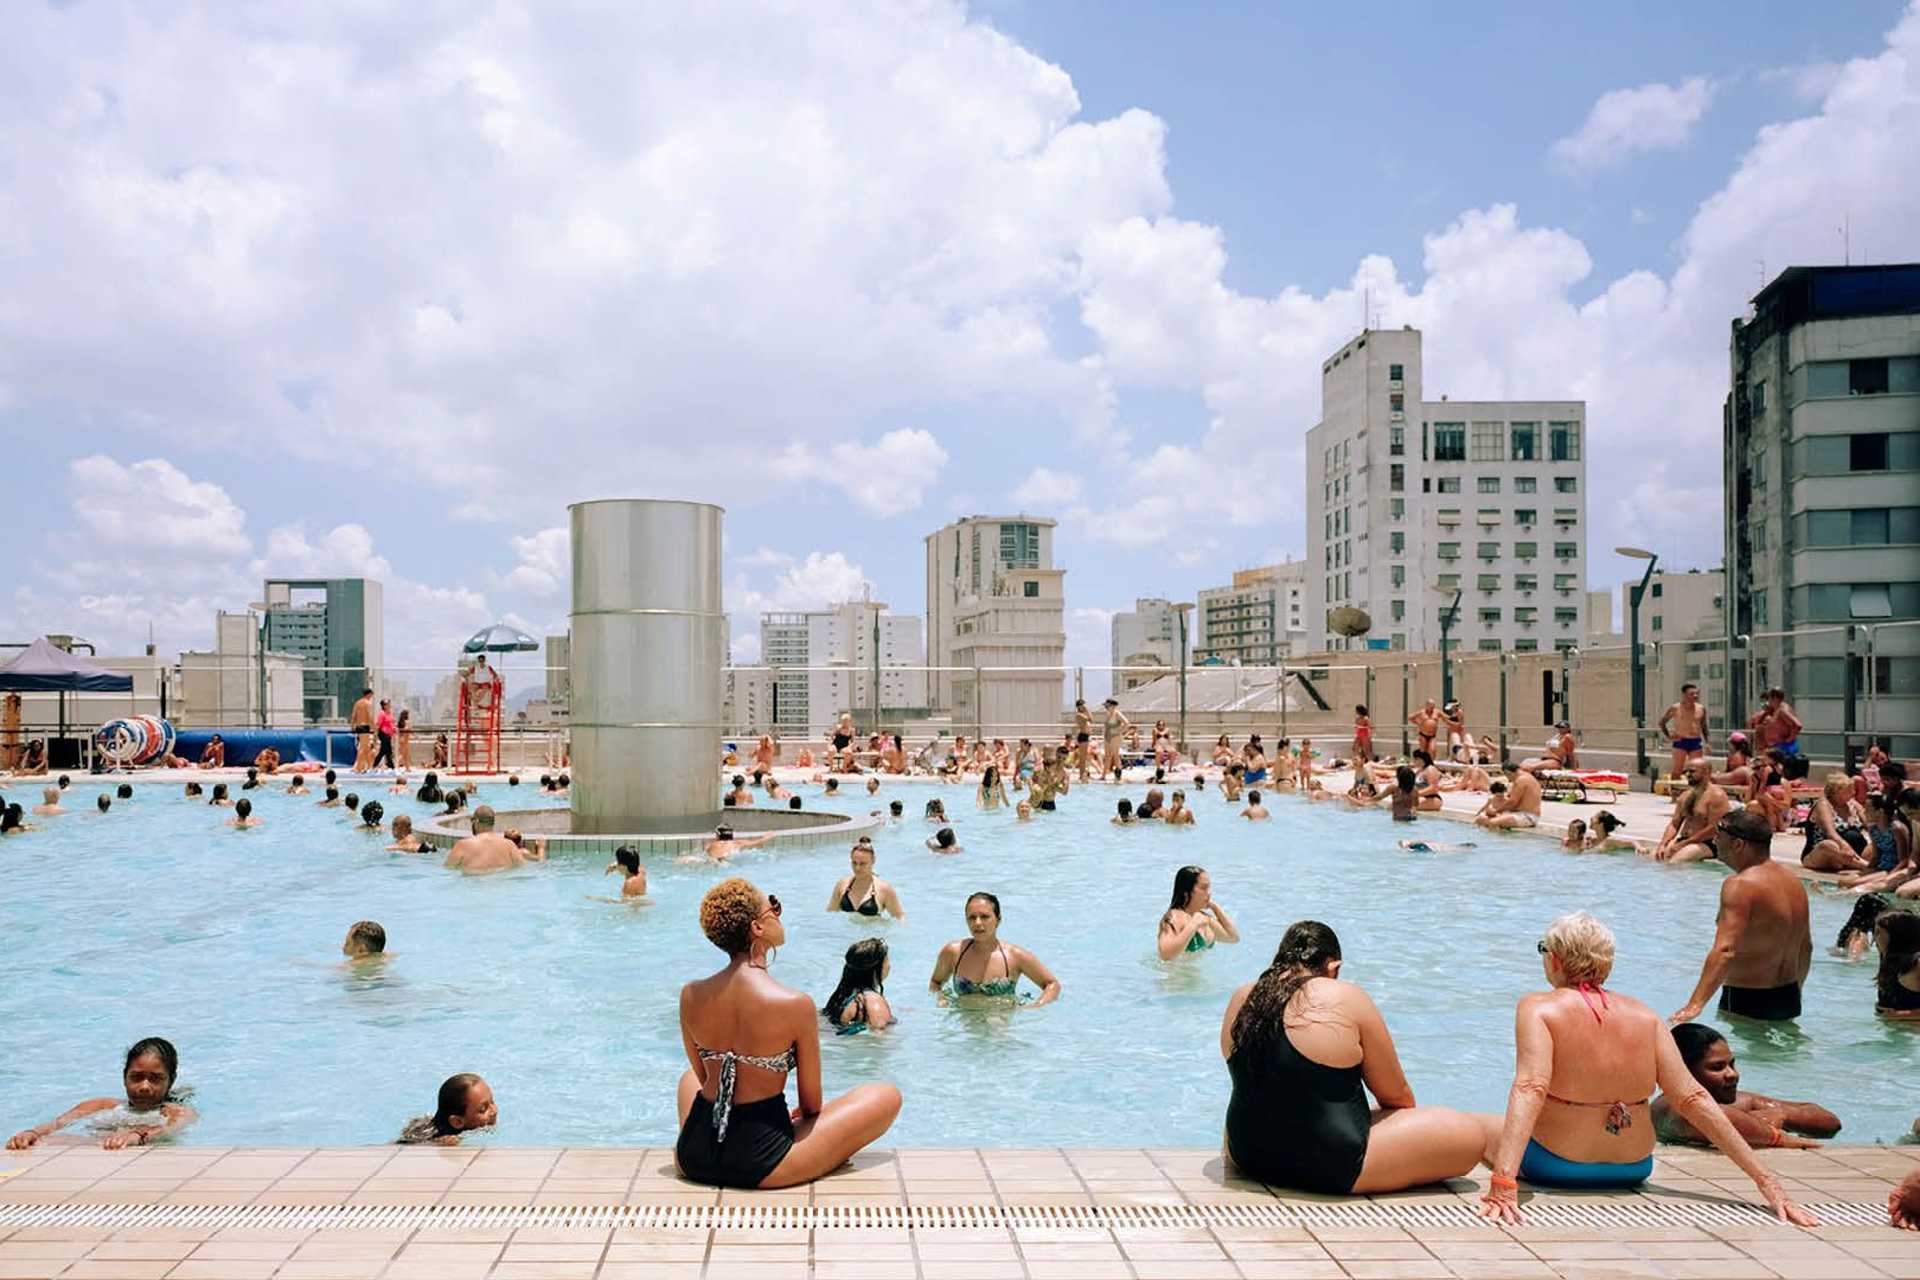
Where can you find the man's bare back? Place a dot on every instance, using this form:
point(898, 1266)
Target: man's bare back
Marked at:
point(1776, 947)
point(483, 852)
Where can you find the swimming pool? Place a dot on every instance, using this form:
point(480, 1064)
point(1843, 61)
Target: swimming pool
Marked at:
point(157, 919)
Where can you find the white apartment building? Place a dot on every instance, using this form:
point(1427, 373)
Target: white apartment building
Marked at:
point(1256, 620)
point(1410, 500)
point(994, 599)
point(1146, 636)
point(844, 639)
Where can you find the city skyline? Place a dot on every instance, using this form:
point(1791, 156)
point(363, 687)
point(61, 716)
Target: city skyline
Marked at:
point(1140, 362)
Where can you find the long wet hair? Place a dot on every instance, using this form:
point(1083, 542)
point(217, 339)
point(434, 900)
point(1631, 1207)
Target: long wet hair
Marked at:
point(1901, 954)
point(1184, 881)
point(169, 1058)
point(861, 973)
point(1304, 950)
point(452, 1101)
point(1867, 910)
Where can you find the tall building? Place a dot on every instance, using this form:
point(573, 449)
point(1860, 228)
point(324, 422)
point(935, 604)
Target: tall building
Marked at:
point(339, 626)
point(1410, 500)
point(229, 684)
point(994, 599)
point(1147, 636)
point(1257, 619)
point(844, 639)
point(1822, 472)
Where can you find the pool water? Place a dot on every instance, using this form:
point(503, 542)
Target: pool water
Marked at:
point(158, 920)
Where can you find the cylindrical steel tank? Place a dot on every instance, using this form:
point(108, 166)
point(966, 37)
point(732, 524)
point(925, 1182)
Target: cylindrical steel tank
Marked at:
point(649, 637)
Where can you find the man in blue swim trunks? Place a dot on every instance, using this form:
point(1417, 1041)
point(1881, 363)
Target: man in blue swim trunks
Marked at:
point(1775, 725)
point(1685, 724)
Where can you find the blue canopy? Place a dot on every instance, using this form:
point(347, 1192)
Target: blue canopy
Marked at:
point(44, 668)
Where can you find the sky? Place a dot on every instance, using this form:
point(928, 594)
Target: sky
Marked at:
point(379, 288)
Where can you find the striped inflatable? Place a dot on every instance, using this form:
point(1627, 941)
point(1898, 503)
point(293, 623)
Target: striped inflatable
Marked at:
point(134, 740)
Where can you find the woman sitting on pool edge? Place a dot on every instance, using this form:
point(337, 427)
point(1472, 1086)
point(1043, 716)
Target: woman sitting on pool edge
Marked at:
point(864, 893)
point(860, 1001)
point(1193, 920)
point(744, 1033)
point(1587, 1063)
point(1303, 1049)
point(154, 1107)
point(984, 945)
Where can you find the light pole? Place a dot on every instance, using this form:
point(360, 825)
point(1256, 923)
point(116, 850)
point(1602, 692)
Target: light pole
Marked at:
point(1183, 610)
point(1636, 670)
point(1448, 617)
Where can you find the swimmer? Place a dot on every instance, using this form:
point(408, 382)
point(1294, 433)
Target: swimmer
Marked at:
point(1404, 797)
point(1600, 835)
point(351, 802)
point(993, 791)
point(1427, 799)
point(330, 799)
point(49, 806)
point(895, 810)
point(1436, 846)
point(366, 940)
point(1426, 724)
point(633, 876)
point(860, 999)
point(725, 844)
point(400, 785)
point(13, 821)
point(970, 963)
point(740, 795)
point(535, 848)
point(1576, 837)
point(298, 786)
point(833, 787)
point(103, 802)
point(936, 811)
point(1123, 816)
point(1022, 812)
point(485, 850)
point(1177, 814)
point(1255, 811)
point(370, 814)
point(1193, 920)
point(465, 1104)
point(243, 816)
point(943, 841)
point(153, 1108)
point(863, 893)
point(873, 786)
point(1363, 794)
point(253, 779)
point(1762, 1121)
point(404, 841)
point(192, 791)
point(124, 791)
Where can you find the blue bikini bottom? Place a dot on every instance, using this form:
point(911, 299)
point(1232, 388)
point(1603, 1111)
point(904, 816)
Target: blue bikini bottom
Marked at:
point(1545, 1169)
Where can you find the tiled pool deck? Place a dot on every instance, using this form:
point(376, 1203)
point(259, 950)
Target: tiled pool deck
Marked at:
point(620, 1214)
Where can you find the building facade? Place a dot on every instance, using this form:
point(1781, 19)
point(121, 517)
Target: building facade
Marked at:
point(995, 598)
point(559, 673)
point(1146, 636)
point(1821, 428)
point(338, 625)
point(840, 645)
point(1412, 500)
point(1256, 620)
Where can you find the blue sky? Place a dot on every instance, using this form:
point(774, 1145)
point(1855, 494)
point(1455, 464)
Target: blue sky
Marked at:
point(394, 306)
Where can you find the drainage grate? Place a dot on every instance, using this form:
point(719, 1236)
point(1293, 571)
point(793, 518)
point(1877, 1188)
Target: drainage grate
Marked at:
point(1599, 1215)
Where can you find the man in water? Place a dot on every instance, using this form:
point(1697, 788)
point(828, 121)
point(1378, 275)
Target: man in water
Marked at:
point(360, 721)
point(1520, 807)
point(49, 806)
point(1685, 724)
point(725, 844)
point(1689, 836)
point(1761, 946)
point(485, 850)
point(366, 940)
point(1255, 811)
point(1762, 1121)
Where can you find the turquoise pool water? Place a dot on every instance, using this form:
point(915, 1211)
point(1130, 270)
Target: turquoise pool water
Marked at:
point(156, 919)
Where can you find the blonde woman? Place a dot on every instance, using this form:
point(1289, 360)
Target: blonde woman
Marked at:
point(1587, 1063)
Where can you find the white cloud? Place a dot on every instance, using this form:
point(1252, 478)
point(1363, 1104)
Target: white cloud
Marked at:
point(1652, 117)
point(1045, 489)
point(1809, 81)
point(545, 562)
point(887, 478)
point(816, 581)
point(154, 507)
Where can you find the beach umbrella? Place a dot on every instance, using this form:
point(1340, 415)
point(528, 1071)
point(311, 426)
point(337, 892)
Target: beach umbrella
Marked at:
point(500, 638)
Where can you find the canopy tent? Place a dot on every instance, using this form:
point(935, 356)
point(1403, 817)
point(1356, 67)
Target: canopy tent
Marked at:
point(43, 668)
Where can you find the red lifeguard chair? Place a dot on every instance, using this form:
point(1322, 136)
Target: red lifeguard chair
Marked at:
point(483, 695)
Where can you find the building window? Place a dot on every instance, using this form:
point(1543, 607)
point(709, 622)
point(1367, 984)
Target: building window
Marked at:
point(1656, 621)
point(1526, 646)
point(1526, 441)
point(1447, 517)
point(1757, 396)
point(1489, 644)
point(1394, 372)
point(1564, 516)
point(1489, 551)
point(1760, 608)
point(1020, 545)
point(1566, 484)
point(1397, 402)
point(1487, 484)
point(1566, 617)
point(1030, 590)
point(1397, 508)
point(1565, 550)
point(1525, 581)
point(1397, 611)
point(1563, 441)
point(1449, 484)
point(1526, 484)
point(1489, 515)
point(1449, 581)
point(1397, 575)
point(1526, 550)
point(1397, 477)
point(1397, 441)
point(1449, 551)
point(1867, 377)
point(1489, 582)
point(1526, 615)
point(1489, 442)
point(1449, 442)
point(1565, 581)
point(1397, 541)
point(1525, 515)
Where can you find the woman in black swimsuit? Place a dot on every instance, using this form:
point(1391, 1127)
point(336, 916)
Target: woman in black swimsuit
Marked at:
point(744, 1034)
point(1304, 1049)
point(861, 1000)
point(863, 893)
point(1897, 934)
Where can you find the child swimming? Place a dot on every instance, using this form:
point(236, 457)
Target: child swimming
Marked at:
point(1436, 846)
point(154, 1107)
point(465, 1104)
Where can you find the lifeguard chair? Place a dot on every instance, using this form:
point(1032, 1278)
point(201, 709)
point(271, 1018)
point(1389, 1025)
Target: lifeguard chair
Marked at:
point(483, 695)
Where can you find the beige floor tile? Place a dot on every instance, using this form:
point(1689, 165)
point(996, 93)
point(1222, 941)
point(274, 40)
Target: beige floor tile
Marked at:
point(987, 1269)
point(1186, 1269)
point(122, 1269)
point(1155, 1250)
point(262, 1250)
point(330, 1269)
point(33, 1268)
point(649, 1271)
point(451, 1251)
point(826, 1249)
point(225, 1269)
point(1290, 1269)
point(870, 1269)
point(1077, 1269)
point(553, 1251)
point(16, 1250)
point(1365, 1250)
point(578, 1270)
point(1394, 1268)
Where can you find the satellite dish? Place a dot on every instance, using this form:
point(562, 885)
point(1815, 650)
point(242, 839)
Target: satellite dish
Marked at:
point(1349, 621)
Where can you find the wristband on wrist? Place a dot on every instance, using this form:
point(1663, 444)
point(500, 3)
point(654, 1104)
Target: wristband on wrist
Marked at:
point(1775, 1136)
point(1502, 1180)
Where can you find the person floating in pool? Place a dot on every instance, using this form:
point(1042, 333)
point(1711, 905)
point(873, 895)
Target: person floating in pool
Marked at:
point(1363, 794)
point(464, 1105)
point(936, 811)
point(49, 806)
point(1762, 947)
point(329, 799)
point(404, 841)
point(1177, 814)
point(1762, 1121)
point(860, 1000)
point(1587, 1063)
point(486, 850)
point(863, 893)
point(366, 940)
point(370, 815)
point(633, 876)
point(243, 815)
point(1437, 846)
point(725, 844)
point(154, 1107)
point(983, 966)
point(103, 802)
point(745, 1034)
point(944, 841)
point(1255, 811)
point(298, 786)
point(1193, 920)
